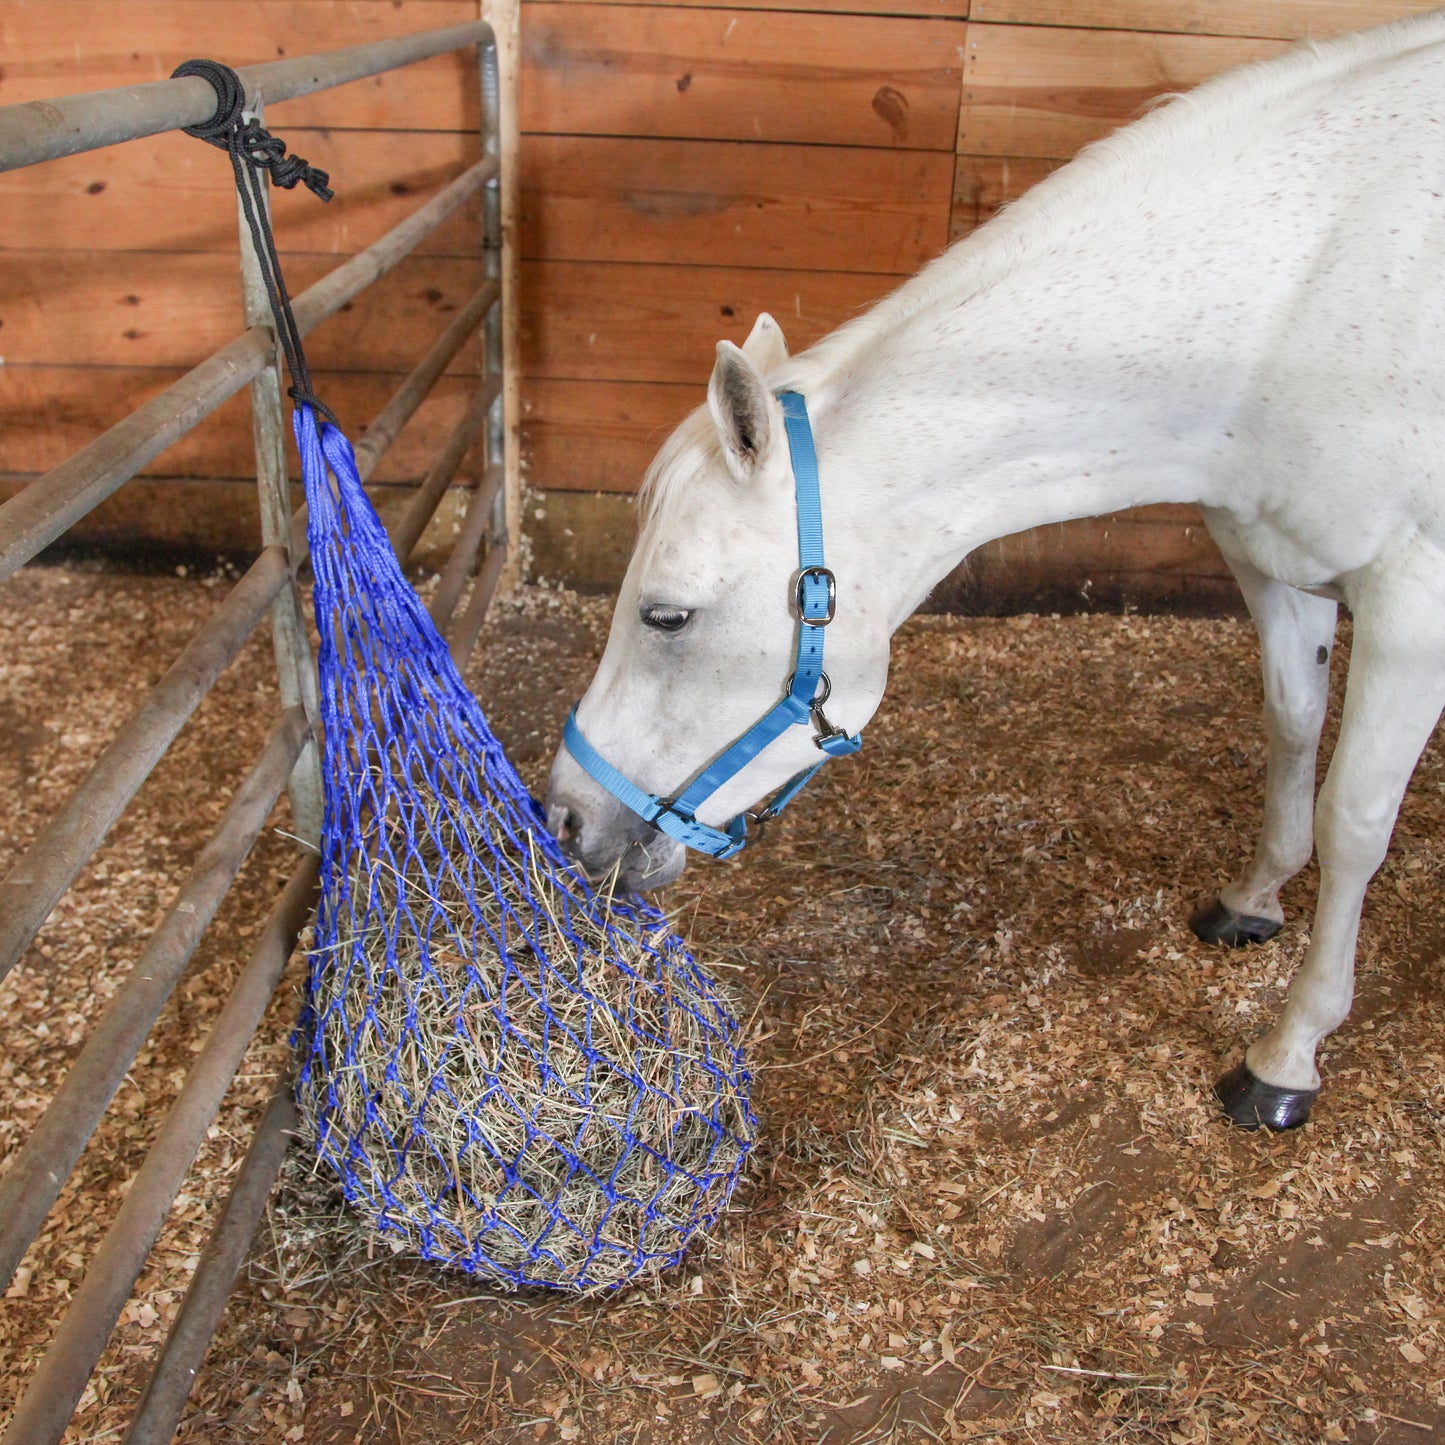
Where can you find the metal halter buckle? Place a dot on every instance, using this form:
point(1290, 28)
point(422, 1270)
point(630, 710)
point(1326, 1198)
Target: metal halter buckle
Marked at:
point(822, 574)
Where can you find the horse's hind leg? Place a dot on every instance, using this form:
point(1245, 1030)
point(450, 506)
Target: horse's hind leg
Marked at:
point(1295, 633)
point(1392, 701)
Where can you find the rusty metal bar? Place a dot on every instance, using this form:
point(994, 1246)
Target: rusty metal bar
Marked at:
point(54, 502)
point(169, 1387)
point(295, 671)
point(44, 1411)
point(389, 421)
point(34, 885)
point(454, 576)
point(65, 126)
point(464, 636)
point(439, 475)
point(37, 1174)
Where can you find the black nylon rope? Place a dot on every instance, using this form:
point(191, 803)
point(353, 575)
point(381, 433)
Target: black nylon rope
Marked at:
point(253, 151)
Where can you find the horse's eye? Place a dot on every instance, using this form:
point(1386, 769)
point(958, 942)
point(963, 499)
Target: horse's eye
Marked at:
point(666, 619)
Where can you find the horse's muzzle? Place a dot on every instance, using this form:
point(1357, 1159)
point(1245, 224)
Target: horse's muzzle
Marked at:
point(600, 834)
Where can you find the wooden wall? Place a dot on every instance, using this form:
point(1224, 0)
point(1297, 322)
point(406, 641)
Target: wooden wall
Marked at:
point(118, 268)
point(683, 165)
point(686, 166)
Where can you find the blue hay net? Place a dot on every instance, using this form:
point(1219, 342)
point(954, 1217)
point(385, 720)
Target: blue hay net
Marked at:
point(510, 1069)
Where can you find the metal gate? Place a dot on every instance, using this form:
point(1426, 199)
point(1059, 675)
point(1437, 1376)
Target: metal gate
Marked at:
point(38, 516)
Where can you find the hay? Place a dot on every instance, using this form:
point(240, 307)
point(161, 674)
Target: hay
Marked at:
point(528, 1082)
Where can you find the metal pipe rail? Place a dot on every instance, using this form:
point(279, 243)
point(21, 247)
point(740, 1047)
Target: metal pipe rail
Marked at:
point(159, 1411)
point(33, 519)
point(44, 130)
point(40, 515)
point(37, 1174)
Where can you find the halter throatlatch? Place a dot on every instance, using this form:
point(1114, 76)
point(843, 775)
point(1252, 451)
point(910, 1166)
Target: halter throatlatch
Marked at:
point(806, 691)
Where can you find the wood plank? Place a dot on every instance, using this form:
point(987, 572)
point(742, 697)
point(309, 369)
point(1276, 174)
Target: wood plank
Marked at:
point(196, 520)
point(924, 9)
point(167, 193)
point(708, 74)
point(57, 47)
point(581, 539)
point(602, 322)
point(1279, 19)
point(597, 436)
point(111, 308)
point(1153, 557)
point(1042, 92)
point(588, 198)
point(52, 411)
point(982, 184)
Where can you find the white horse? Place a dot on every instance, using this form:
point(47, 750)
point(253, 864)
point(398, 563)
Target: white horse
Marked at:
point(1238, 301)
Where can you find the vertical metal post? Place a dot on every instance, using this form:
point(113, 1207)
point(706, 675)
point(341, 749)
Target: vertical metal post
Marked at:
point(498, 65)
point(297, 672)
point(491, 122)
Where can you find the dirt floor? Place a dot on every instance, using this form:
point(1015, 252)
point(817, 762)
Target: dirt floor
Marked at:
point(992, 1199)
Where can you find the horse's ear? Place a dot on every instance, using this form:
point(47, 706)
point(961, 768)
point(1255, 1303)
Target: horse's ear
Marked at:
point(743, 409)
point(765, 346)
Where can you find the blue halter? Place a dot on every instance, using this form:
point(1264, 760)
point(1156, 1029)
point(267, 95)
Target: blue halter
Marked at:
point(815, 594)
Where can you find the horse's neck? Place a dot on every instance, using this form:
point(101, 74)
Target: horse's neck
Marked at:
point(1042, 400)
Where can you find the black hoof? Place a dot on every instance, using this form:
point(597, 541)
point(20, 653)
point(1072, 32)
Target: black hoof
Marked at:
point(1255, 1104)
point(1217, 923)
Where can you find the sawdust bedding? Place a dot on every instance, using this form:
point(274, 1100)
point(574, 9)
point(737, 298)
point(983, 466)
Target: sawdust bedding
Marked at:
point(992, 1200)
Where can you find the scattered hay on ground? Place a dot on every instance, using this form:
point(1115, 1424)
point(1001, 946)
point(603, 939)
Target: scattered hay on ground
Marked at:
point(991, 1199)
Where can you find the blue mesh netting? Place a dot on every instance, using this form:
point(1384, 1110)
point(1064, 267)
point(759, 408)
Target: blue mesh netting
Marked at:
point(519, 1074)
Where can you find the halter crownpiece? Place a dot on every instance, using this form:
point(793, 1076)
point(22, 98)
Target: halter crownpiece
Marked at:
point(815, 593)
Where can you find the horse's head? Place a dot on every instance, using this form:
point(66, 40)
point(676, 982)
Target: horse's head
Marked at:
point(705, 635)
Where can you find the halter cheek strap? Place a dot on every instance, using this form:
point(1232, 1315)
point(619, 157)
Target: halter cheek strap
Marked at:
point(815, 595)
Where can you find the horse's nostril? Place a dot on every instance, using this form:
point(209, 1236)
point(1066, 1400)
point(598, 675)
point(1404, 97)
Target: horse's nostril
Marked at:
point(564, 826)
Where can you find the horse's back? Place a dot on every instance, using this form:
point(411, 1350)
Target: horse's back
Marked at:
point(1337, 225)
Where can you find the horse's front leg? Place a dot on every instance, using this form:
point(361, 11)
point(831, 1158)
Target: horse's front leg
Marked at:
point(1295, 634)
point(1393, 699)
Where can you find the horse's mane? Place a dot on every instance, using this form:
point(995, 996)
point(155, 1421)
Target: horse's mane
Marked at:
point(1178, 135)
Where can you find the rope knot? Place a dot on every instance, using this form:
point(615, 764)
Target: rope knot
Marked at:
point(254, 150)
point(268, 152)
point(229, 130)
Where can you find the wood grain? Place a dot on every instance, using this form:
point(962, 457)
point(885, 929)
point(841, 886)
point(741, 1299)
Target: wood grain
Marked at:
point(52, 411)
point(602, 322)
point(1152, 556)
point(981, 184)
point(198, 519)
point(112, 308)
point(924, 9)
point(598, 436)
point(1045, 92)
point(589, 198)
point(57, 47)
point(706, 74)
point(170, 193)
point(1280, 19)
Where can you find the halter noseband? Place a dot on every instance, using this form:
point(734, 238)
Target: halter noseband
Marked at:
point(815, 595)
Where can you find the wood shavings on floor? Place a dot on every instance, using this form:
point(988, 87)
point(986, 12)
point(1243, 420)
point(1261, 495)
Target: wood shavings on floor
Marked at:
point(993, 1200)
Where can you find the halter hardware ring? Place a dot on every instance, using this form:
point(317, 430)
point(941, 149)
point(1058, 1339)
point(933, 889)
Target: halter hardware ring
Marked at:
point(820, 574)
point(821, 693)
